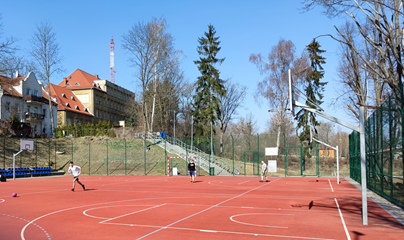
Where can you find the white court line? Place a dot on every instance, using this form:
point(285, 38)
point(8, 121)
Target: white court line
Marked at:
point(88, 215)
point(89, 205)
point(343, 222)
point(206, 209)
point(147, 180)
point(332, 189)
point(2, 200)
point(244, 182)
point(110, 219)
point(219, 231)
point(251, 224)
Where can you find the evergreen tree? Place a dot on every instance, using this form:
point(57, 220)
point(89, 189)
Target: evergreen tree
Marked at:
point(314, 89)
point(209, 86)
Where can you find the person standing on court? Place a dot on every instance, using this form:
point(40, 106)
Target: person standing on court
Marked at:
point(264, 170)
point(191, 169)
point(75, 171)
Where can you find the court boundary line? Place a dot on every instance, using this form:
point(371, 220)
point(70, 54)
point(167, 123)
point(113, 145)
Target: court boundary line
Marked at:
point(88, 215)
point(110, 219)
point(342, 220)
point(251, 224)
point(207, 209)
point(332, 189)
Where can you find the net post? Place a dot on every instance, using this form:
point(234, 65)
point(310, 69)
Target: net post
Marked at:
point(165, 155)
point(337, 165)
point(168, 167)
point(55, 153)
point(36, 153)
point(49, 147)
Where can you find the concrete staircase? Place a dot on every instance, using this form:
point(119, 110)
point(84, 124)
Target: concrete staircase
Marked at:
point(222, 167)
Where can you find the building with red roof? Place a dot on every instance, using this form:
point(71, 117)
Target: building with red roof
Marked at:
point(102, 98)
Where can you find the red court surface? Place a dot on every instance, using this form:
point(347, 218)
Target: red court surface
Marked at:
point(159, 207)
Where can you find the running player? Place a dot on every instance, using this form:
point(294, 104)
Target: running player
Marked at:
point(264, 170)
point(191, 169)
point(76, 171)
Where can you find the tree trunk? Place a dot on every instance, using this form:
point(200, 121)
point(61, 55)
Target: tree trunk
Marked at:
point(278, 137)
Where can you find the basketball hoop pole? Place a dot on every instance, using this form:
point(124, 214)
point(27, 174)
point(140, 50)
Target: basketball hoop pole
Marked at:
point(14, 155)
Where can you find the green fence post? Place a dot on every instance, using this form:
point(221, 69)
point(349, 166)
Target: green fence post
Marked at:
point(107, 156)
point(89, 158)
point(125, 155)
point(36, 153)
point(286, 161)
point(72, 152)
point(49, 147)
point(55, 154)
point(20, 161)
point(391, 152)
point(301, 160)
point(144, 154)
point(186, 154)
point(245, 172)
point(210, 154)
point(317, 161)
point(258, 163)
point(165, 157)
point(4, 152)
point(232, 145)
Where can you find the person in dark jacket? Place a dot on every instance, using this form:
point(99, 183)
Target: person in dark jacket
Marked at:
point(191, 169)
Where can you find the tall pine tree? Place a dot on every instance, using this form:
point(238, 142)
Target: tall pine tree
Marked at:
point(314, 89)
point(209, 86)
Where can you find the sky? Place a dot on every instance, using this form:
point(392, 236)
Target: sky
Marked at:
point(84, 29)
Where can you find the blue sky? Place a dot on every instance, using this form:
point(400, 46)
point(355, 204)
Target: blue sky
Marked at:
point(84, 29)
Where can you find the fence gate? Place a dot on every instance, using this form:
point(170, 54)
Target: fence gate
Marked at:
point(297, 165)
point(251, 163)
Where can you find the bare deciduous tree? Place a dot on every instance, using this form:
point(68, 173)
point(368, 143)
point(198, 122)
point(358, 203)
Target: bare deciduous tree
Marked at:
point(7, 48)
point(274, 87)
point(45, 50)
point(229, 103)
point(151, 54)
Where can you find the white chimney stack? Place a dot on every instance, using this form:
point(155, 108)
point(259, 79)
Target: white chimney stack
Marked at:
point(16, 74)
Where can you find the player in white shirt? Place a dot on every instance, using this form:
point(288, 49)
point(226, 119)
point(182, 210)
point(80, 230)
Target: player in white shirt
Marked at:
point(75, 171)
point(264, 170)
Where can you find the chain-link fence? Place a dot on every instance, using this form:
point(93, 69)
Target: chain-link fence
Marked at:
point(384, 151)
point(95, 155)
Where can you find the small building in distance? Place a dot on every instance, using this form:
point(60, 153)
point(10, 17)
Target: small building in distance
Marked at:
point(104, 99)
point(24, 98)
point(325, 152)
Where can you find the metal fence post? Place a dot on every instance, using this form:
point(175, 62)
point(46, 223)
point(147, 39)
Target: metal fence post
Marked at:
point(107, 156)
point(72, 152)
point(4, 152)
point(144, 154)
point(20, 161)
point(89, 158)
point(258, 163)
point(49, 147)
point(232, 145)
point(125, 156)
point(36, 153)
point(165, 157)
point(55, 154)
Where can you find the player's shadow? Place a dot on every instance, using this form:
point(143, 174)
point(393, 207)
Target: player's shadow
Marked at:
point(197, 181)
point(91, 189)
point(357, 235)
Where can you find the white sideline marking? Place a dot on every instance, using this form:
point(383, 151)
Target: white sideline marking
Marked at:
point(332, 189)
point(244, 182)
point(208, 231)
point(343, 222)
point(207, 209)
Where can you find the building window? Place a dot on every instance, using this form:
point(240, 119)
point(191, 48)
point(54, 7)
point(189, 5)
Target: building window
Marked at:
point(35, 93)
point(96, 98)
point(35, 128)
point(96, 113)
point(44, 112)
point(35, 109)
point(8, 106)
point(76, 84)
point(28, 109)
point(68, 84)
point(27, 92)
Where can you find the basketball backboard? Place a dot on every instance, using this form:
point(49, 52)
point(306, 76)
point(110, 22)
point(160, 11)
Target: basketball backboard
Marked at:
point(26, 145)
point(291, 94)
point(272, 151)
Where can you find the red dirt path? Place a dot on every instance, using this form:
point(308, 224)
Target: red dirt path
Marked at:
point(159, 207)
